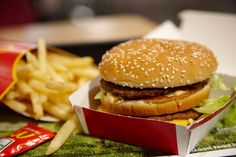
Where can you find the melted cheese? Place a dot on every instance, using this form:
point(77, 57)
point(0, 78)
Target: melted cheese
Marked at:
point(184, 122)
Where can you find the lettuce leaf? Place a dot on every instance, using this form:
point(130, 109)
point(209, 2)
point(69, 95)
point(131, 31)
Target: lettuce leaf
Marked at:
point(100, 95)
point(209, 106)
point(234, 86)
point(216, 83)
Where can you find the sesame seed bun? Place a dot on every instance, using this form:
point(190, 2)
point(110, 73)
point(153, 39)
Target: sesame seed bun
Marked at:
point(157, 63)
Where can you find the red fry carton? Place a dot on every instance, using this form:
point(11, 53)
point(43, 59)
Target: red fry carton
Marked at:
point(148, 133)
point(10, 54)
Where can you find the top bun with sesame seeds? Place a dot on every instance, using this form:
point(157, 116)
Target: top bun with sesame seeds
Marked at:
point(153, 77)
point(155, 63)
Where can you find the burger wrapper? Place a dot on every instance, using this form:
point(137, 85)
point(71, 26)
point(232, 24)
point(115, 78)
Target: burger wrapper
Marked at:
point(148, 133)
point(10, 54)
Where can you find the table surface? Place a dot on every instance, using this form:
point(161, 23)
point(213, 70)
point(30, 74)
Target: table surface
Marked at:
point(100, 29)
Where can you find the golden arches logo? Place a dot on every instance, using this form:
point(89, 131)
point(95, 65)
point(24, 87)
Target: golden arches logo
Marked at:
point(23, 134)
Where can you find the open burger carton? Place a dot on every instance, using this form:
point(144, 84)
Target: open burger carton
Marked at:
point(11, 52)
point(158, 135)
point(148, 133)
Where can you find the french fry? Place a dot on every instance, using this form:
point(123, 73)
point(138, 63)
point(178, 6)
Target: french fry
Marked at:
point(87, 73)
point(37, 75)
point(23, 87)
point(69, 77)
point(15, 105)
point(54, 74)
point(40, 87)
point(59, 67)
point(56, 111)
point(42, 98)
point(80, 62)
point(24, 68)
point(77, 130)
point(71, 62)
point(32, 60)
point(54, 57)
point(57, 99)
point(61, 102)
point(58, 85)
point(42, 53)
point(12, 95)
point(37, 105)
point(63, 134)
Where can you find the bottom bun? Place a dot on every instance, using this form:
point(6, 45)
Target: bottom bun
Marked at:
point(156, 106)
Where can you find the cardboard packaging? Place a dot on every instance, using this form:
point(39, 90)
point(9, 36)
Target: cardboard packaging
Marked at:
point(161, 136)
point(153, 134)
point(10, 54)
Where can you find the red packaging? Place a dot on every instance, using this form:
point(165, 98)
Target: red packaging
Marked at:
point(148, 133)
point(10, 54)
point(24, 139)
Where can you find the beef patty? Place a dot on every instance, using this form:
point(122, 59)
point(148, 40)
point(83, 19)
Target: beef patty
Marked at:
point(179, 115)
point(137, 93)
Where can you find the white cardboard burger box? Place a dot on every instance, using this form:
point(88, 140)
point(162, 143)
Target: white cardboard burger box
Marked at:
point(148, 133)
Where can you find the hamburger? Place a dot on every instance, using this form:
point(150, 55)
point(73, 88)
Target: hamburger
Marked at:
point(162, 79)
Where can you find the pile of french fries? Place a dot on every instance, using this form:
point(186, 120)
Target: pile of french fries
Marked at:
point(44, 81)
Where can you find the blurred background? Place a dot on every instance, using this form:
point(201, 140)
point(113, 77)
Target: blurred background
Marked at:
point(90, 27)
